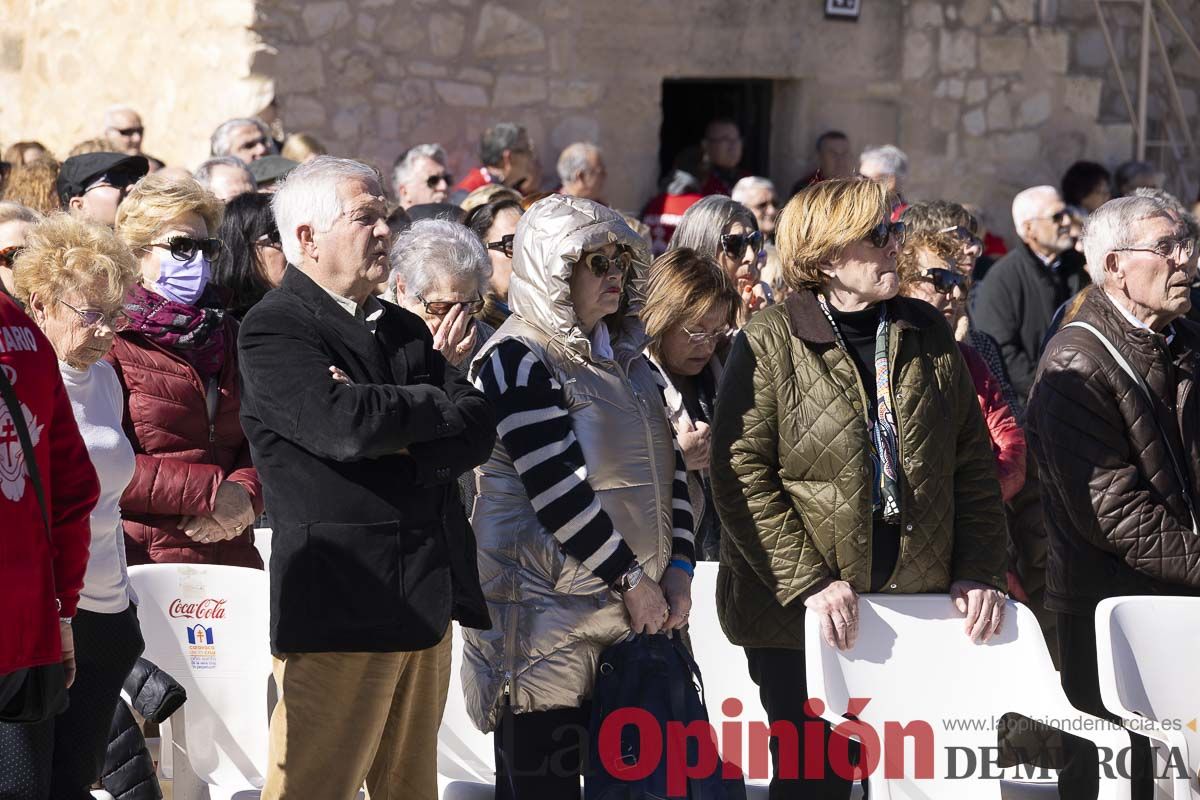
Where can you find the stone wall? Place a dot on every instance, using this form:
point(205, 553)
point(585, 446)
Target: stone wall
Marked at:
point(987, 96)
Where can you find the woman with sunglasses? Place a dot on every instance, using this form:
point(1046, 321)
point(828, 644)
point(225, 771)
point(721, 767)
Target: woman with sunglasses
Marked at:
point(691, 306)
point(725, 230)
point(583, 518)
point(250, 261)
point(495, 224)
point(849, 455)
point(195, 492)
point(72, 277)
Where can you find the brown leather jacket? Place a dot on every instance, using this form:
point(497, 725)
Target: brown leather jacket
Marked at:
point(1118, 519)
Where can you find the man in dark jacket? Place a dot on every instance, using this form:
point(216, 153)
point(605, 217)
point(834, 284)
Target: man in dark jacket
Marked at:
point(1024, 288)
point(359, 429)
point(1118, 463)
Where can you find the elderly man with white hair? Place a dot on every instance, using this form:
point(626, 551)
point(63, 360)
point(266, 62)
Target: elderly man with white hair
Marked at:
point(581, 171)
point(359, 429)
point(419, 176)
point(1015, 305)
point(246, 138)
point(226, 177)
point(1114, 423)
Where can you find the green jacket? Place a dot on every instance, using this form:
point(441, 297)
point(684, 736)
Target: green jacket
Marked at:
point(791, 470)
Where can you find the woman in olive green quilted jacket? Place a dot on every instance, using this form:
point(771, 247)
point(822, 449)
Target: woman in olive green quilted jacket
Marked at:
point(849, 455)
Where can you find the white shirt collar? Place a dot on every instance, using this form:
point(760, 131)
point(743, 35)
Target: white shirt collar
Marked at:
point(370, 311)
point(1134, 321)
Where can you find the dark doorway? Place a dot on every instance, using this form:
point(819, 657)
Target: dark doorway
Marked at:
point(689, 103)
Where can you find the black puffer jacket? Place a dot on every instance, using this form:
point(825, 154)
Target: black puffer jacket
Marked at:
point(128, 768)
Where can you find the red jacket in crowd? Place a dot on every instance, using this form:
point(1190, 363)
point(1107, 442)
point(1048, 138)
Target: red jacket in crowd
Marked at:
point(663, 213)
point(1008, 441)
point(480, 176)
point(37, 577)
point(181, 459)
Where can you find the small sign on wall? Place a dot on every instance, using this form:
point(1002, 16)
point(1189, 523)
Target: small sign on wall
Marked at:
point(843, 9)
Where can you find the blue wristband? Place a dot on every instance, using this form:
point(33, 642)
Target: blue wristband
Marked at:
point(685, 565)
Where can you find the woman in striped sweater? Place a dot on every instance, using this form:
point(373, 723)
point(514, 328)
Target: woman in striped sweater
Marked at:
point(584, 525)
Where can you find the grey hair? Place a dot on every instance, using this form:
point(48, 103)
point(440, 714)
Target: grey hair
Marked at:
point(574, 160)
point(11, 211)
point(496, 139)
point(702, 224)
point(748, 184)
point(1113, 226)
point(891, 159)
point(1027, 205)
point(203, 173)
point(1172, 202)
point(437, 248)
point(1130, 171)
point(309, 196)
point(406, 164)
point(220, 143)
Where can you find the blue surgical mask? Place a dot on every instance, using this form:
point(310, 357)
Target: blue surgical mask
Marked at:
point(183, 281)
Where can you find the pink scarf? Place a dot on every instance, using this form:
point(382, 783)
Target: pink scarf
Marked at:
point(197, 333)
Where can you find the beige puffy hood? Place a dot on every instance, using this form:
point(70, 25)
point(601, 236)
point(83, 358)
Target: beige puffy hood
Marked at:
point(550, 238)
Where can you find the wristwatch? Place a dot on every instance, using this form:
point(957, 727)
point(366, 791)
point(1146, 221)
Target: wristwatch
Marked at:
point(630, 580)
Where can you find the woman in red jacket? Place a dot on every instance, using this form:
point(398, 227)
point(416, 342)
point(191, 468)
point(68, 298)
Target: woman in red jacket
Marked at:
point(194, 493)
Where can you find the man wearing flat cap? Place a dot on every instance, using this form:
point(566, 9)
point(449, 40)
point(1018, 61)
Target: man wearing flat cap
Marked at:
point(92, 185)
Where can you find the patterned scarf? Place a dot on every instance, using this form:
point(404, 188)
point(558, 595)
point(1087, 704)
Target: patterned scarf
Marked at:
point(197, 333)
point(882, 438)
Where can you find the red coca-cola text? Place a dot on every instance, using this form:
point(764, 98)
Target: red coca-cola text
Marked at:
point(208, 608)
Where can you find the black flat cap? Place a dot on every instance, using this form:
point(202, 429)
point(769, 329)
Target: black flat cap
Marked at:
point(79, 172)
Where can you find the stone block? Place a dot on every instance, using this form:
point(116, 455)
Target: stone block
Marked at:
point(12, 53)
point(1000, 112)
point(300, 69)
point(1034, 110)
point(975, 12)
point(925, 14)
point(322, 19)
point(955, 88)
point(423, 69)
point(945, 115)
point(474, 75)
point(1018, 10)
point(918, 55)
point(956, 50)
point(1052, 48)
point(502, 32)
point(347, 123)
point(518, 90)
point(574, 128)
point(305, 112)
point(998, 54)
point(1016, 146)
point(446, 33)
point(1081, 95)
point(976, 90)
point(575, 94)
point(1090, 50)
point(414, 93)
point(462, 95)
point(974, 122)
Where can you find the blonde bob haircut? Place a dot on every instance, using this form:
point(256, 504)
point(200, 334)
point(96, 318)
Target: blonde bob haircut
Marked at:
point(818, 223)
point(64, 254)
point(157, 200)
point(683, 287)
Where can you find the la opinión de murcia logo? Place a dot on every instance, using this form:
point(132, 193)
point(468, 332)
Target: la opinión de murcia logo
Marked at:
point(208, 608)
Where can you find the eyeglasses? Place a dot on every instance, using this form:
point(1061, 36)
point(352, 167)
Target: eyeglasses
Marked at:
point(699, 337)
point(433, 180)
point(270, 239)
point(505, 245)
point(127, 132)
point(881, 233)
point(946, 281)
point(1177, 250)
point(183, 248)
point(1062, 217)
point(440, 308)
point(964, 235)
point(261, 141)
point(601, 265)
point(116, 321)
point(9, 255)
point(735, 244)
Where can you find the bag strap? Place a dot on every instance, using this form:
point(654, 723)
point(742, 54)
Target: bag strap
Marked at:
point(18, 422)
point(1140, 382)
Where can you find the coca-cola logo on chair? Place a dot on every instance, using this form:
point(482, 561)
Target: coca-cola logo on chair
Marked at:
point(208, 608)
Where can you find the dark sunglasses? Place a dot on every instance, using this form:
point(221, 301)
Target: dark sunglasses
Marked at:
point(440, 308)
point(601, 265)
point(881, 233)
point(130, 131)
point(117, 321)
point(947, 280)
point(505, 245)
point(183, 248)
point(433, 180)
point(9, 255)
point(117, 180)
point(964, 235)
point(735, 244)
point(270, 239)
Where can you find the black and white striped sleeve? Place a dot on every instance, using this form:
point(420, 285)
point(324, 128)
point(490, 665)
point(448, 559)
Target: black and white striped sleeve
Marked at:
point(536, 431)
point(683, 520)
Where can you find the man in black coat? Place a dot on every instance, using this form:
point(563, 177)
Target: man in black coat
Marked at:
point(1016, 302)
point(359, 430)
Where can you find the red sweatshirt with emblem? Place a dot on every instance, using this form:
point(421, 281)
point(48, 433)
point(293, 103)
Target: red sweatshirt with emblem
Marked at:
point(39, 574)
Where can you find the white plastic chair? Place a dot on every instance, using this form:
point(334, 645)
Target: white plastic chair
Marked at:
point(262, 543)
point(1147, 663)
point(914, 663)
point(207, 627)
point(466, 764)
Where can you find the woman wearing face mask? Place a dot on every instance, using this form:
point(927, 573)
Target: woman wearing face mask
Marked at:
point(727, 231)
point(195, 492)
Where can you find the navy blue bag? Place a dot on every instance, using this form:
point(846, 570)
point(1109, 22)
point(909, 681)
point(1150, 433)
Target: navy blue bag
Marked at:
point(649, 685)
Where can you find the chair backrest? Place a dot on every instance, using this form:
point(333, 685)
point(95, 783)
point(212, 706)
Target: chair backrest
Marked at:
point(913, 665)
point(1147, 666)
point(208, 627)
